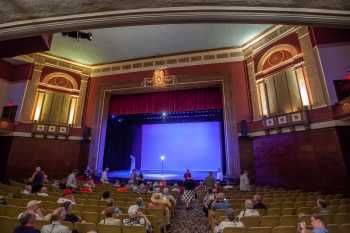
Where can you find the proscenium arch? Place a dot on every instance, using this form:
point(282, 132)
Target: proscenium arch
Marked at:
point(19, 24)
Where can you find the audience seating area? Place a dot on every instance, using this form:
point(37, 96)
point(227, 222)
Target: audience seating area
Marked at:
point(89, 208)
point(285, 209)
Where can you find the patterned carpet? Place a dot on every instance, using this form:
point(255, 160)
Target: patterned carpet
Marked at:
point(189, 221)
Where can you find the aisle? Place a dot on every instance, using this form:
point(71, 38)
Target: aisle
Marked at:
point(191, 221)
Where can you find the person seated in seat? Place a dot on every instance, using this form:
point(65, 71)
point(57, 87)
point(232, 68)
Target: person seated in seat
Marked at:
point(258, 204)
point(248, 210)
point(317, 225)
point(322, 205)
point(230, 221)
point(33, 208)
point(122, 189)
point(140, 203)
point(109, 217)
point(220, 203)
point(244, 183)
point(116, 210)
point(26, 224)
point(158, 202)
point(43, 192)
point(137, 218)
point(69, 216)
point(27, 190)
point(169, 196)
point(56, 226)
point(72, 182)
point(208, 200)
point(67, 197)
point(106, 196)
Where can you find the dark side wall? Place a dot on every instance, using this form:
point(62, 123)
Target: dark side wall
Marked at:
point(310, 160)
point(57, 157)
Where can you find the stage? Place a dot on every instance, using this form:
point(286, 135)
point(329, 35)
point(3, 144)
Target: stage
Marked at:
point(159, 175)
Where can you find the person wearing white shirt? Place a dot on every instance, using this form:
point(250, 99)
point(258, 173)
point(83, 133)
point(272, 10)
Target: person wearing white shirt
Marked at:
point(109, 220)
point(33, 208)
point(219, 175)
point(56, 225)
point(104, 177)
point(27, 190)
point(244, 184)
point(67, 197)
point(43, 192)
point(72, 180)
point(229, 222)
point(248, 210)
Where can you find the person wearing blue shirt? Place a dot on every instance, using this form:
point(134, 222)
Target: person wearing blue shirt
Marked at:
point(317, 225)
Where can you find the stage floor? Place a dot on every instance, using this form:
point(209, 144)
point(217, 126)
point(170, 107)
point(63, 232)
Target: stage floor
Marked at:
point(158, 175)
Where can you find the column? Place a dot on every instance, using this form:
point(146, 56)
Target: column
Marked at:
point(319, 95)
point(253, 89)
point(26, 110)
point(81, 101)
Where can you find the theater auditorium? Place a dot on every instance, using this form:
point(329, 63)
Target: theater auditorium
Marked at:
point(174, 116)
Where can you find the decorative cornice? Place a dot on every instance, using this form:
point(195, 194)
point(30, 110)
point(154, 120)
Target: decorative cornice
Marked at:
point(200, 58)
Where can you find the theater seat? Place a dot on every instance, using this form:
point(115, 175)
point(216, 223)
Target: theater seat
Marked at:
point(273, 211)
point(333, 228)
point(8, 224)
point(284, 229)
point(259, 230)
point(90, 217)
point(235, 230)
point(251, 221)
point(270, 221)
point(85, 227)
point(134, 229)
point(341, 218)
point(103, 228)
point(344, 228)
point(289, 220)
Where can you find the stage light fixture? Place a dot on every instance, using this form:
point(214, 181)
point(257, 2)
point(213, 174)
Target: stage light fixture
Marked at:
point(164, 114)
point(78, 35)
point(162, 157)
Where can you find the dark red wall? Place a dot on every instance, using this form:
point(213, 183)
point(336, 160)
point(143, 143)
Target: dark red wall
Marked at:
point(15, 73)
point(310, 160)
point(321, 35)
point(56, 157)
point(236, 70)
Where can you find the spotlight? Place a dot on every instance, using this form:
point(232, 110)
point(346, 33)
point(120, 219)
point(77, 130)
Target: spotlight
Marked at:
point(113, 116)
point(162, 157)
point(164, 114)
point(78, 35)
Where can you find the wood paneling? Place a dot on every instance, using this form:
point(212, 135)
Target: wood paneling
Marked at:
point(56, 157)
point(311, 160)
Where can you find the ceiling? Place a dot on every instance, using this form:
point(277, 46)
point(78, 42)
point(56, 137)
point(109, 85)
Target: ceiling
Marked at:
point(131, 42)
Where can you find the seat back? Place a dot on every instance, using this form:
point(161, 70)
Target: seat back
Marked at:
point(289, 220)
point(259, 230)
point(234, 230)
point(251, 221)
point(341, 218)
point(134, 229)
point(284, 229)
point(90, 217)
point(270, 221)
point(103, 228)
point(8, 224)
point(333, 228)
point(273, 211)
point(85, 227)
point(344, 228)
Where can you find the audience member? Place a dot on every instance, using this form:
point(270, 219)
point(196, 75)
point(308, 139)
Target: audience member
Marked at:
point(140, 203)
point(106, 196)
point(228, 185)
point(230, 221)
point(220, 202)
point(219, 175)
point(244, 184)
point(33, 208)
point(140, 178)
point(158, 202)
point(26, 224)
point(187, 175)
point(109, 219)
point(37, 180)
point(208, 199)
point(322, 205)
point(317, 225)
point(169, 196)
point(112, 204)
point(122, 189)
point(72, 180)
point(56, 226)
point(248, 210)
point(44, 192)
point(67, 197)
point(69, 216)
point(189, 193)
point(258, 204)
point(137, 218)
point(209, 181)
point(27, 190)
point(104, 177)
point(133, 177)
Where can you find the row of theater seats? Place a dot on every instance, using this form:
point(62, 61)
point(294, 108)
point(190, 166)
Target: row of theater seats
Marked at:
point(285, 209)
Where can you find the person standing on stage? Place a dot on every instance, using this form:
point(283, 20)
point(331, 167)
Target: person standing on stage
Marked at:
point(104, 177)
point(140, 178)
point(244, 183)
point(72, 182)
point(132, 163)
point(187, 175)
point(134, 177)
point(37, 180)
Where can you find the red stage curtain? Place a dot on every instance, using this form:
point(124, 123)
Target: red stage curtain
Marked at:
point(167, 101)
